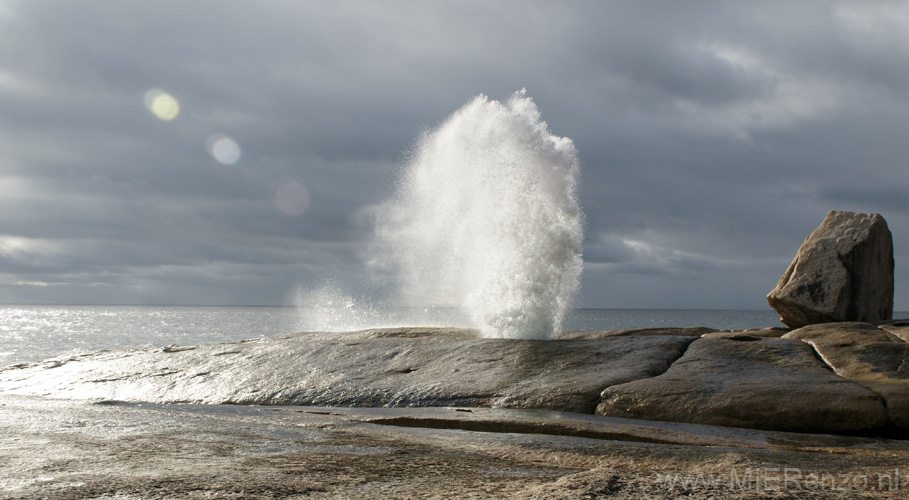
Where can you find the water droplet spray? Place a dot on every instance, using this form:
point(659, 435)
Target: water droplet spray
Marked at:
point(486, 217)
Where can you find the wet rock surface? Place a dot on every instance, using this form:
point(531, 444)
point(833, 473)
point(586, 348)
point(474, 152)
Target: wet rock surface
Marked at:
point(687, 331)
point(771, 332)
point(900, 328)
point(842, 272)
point(846, 333)
point(832, 378)
point(823, 378)
point(63, 449)
point(389, 367)
point(869, 355)
point(763, 383)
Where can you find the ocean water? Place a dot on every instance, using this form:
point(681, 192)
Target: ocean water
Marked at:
point(30, 333)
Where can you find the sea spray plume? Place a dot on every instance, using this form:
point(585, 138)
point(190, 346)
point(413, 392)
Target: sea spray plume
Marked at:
point(328, 309)
point(485, 216)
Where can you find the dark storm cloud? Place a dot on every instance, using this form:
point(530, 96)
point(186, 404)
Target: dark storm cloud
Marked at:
point(714, 136)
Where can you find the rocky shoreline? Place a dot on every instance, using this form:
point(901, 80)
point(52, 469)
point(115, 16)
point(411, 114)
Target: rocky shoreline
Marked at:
point(436, 413)
point(846, 378)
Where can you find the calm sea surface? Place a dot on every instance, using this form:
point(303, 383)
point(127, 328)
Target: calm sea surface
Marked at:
point(33, 333)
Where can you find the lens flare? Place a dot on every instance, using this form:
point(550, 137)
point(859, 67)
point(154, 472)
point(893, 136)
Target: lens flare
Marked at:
point(292, 198)
point(161, 104)
point(224, 149)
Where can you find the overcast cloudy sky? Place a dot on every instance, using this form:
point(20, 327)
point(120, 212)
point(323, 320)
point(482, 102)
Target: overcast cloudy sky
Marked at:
point(713, 136)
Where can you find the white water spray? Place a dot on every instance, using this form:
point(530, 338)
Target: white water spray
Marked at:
point(486, 217)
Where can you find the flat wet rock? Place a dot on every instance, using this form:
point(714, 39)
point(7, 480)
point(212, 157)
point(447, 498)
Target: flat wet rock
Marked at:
point(871, 356)
point(398, 367)
point(762, 383)
point(686, 331)
point(845, 333)
point(772, 332)
point(57, 449)
point(900, 328)
point(838, 378)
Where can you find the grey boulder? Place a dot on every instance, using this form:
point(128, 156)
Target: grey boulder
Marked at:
point(842, 272)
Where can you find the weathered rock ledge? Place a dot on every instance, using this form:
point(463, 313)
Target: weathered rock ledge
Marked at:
point(832, 378)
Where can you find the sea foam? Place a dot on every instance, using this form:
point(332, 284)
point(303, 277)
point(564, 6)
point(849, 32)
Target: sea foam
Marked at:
point(485, 217)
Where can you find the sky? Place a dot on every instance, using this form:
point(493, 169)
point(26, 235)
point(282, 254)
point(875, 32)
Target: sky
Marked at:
point(225, 153)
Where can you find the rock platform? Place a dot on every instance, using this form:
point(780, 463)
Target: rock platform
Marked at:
point(58, 449)
point(845, 378)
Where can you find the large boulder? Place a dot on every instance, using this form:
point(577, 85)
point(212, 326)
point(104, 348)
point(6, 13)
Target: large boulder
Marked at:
point(843, 272)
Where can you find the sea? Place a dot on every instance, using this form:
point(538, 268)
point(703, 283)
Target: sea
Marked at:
point(31, 333)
